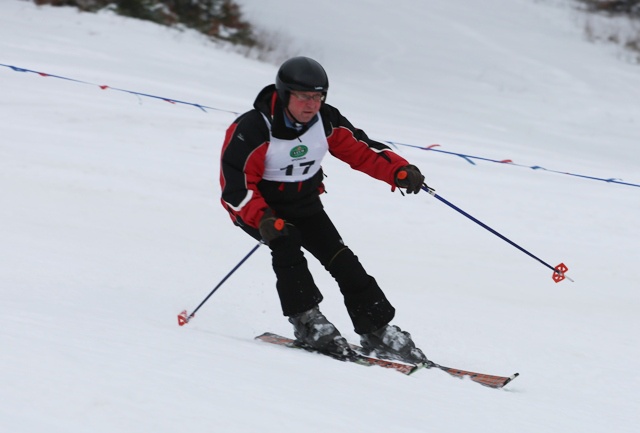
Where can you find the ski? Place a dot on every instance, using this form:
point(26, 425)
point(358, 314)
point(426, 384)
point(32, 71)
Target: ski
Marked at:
point(488, 380)
point(360, 358)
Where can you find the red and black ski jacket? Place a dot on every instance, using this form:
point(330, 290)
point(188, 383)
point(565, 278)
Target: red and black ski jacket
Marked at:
point(246, 188)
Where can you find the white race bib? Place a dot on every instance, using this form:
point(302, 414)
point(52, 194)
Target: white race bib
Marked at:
point(298, 159)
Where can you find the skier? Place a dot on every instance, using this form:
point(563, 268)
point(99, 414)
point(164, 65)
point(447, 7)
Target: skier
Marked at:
point(271, 180)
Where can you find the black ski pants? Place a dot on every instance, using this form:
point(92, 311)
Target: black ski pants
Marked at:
point(366, 304)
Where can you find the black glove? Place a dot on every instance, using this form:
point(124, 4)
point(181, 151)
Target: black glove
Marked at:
point(409, 177)
point(271, 227)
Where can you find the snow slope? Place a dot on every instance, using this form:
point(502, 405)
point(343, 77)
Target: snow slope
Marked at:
point(111, 224)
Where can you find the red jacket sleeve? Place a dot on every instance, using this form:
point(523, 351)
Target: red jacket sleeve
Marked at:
point(352, 146)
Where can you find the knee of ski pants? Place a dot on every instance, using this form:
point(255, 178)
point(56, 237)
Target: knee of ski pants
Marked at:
point(287, 248)
point(296, 289)
point(348, 272)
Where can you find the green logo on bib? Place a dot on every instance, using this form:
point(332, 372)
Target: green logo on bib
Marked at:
point(298, 151)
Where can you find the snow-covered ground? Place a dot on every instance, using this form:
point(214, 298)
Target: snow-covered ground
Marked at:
point(110, 224)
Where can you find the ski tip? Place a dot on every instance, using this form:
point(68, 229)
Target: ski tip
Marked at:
point(266, 336)
point(509, 379)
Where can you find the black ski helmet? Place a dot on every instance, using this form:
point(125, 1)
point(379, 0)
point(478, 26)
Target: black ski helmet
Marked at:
point(302, 74)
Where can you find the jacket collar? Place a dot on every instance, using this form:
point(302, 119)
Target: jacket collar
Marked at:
point(268, 103)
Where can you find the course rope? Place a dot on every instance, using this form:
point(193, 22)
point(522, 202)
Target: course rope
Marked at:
point(132, 92)
point(469, 158)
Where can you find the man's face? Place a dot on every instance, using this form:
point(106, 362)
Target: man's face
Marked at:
point(305, 105)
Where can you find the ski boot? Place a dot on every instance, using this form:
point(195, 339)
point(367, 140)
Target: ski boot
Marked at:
point(312, 330)
point(392, 343)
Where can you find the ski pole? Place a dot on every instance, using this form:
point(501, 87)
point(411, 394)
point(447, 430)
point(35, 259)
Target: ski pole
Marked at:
point(558, 271)
point(183, 319)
